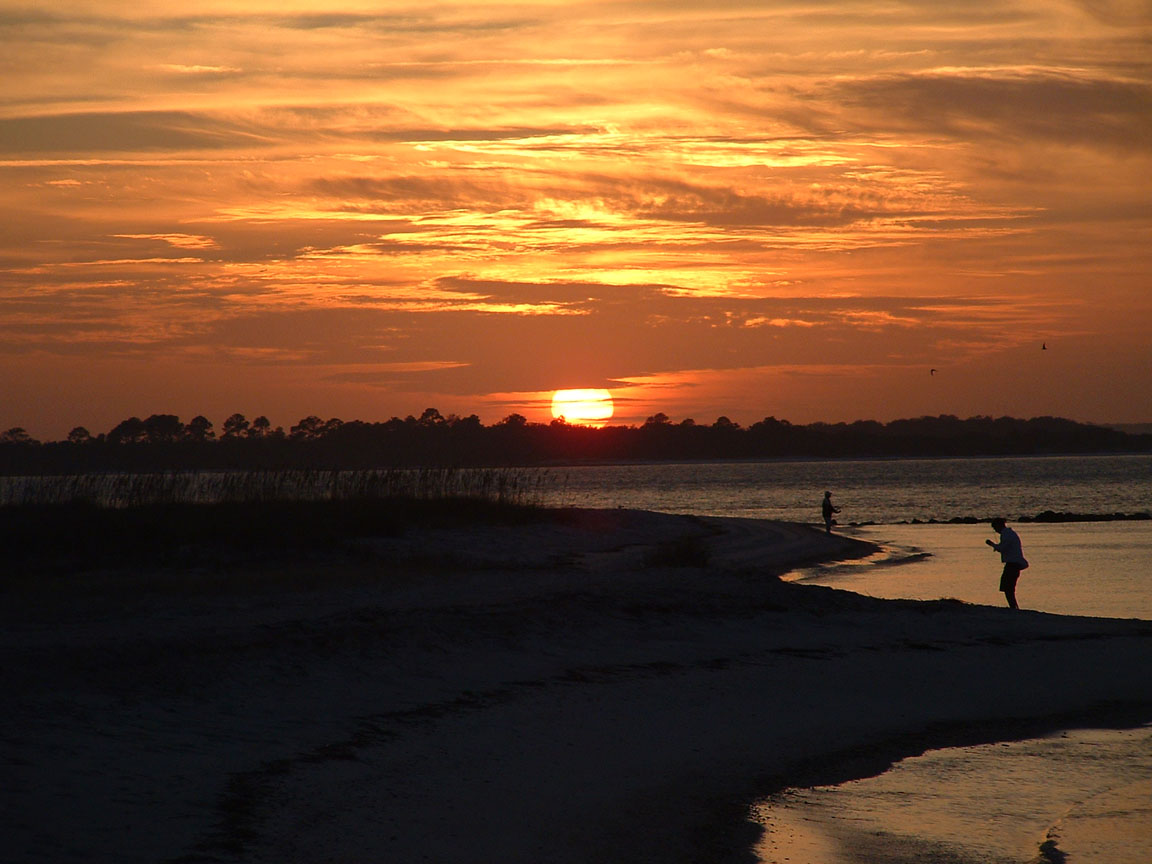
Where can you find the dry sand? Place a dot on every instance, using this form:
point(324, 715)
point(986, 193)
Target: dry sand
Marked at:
point(568, 692)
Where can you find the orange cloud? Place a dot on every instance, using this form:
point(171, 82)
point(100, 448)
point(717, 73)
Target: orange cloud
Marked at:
point(691, 198)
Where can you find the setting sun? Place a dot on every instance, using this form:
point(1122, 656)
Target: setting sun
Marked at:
point(390, 217)
point(582, 406)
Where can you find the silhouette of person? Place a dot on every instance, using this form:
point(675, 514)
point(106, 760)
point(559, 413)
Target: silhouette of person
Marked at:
point(1012, 555)
point(828, 510)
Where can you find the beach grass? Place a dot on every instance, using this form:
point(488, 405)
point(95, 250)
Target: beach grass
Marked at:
point(126, 490)
point(86, 522)
point(74, 538)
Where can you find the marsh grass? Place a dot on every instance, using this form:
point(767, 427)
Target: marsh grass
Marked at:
point(518, 486)
point(86, 522)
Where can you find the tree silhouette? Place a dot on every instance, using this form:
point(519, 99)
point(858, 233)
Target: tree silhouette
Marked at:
point(235, 426)
point(163, 429)
point(199, 428)
point(431, 417)
point(162, 442)
point(130, 431)
point(308, 428)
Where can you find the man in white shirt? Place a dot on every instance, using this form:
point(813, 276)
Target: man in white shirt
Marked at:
point(1012, 555)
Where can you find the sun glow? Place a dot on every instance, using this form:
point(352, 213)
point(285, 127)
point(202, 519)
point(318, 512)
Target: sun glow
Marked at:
point(589, 407)
point(453, 204)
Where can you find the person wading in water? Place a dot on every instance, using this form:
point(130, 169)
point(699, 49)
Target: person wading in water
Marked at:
point(829, 511)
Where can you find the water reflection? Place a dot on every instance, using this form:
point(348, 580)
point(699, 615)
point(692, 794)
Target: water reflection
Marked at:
point(1083, 568)
point(876, 490)
point(1081, 795)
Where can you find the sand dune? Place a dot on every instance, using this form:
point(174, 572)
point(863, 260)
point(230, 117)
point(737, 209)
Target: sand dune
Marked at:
point(613, 686)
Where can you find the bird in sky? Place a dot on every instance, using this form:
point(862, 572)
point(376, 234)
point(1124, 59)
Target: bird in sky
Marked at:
point(931, 371)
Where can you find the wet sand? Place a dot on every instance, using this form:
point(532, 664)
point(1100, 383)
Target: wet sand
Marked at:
point(616, 686)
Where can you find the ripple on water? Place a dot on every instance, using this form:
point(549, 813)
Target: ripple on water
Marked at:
point(1083, 795)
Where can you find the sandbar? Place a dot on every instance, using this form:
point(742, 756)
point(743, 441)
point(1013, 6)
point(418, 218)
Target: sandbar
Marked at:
point(607, 686)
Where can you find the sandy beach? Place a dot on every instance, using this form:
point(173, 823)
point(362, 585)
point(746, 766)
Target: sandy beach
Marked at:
point(608, 686)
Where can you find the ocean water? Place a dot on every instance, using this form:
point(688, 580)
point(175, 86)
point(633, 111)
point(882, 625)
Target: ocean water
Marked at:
point(882, 491)
point(1079, 797)
point(1101, 569)
point(1082, 797)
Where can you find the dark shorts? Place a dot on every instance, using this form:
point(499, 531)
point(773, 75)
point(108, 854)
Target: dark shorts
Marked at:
point(1009, 576)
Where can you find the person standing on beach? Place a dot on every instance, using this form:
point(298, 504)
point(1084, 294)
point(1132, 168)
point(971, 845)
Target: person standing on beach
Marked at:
point(828, 511)
point(1012, 555)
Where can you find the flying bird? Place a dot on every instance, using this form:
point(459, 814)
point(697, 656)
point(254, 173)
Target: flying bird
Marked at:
point(931, 371)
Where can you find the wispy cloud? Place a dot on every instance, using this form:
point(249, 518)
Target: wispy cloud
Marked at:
point(180, 241)
point(483, 202)
point(1009, 104)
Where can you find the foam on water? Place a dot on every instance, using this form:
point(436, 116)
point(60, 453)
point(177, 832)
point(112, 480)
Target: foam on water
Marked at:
point(1080, 796)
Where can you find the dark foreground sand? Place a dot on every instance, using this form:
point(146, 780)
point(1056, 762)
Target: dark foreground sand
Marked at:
point(556, 693)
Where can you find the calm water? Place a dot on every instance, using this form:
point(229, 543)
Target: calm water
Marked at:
point(1082, 796)
point(874, 490)
point(1082, 568)
point(1100, 569)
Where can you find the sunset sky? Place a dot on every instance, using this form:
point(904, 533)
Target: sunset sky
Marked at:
point(363, 209)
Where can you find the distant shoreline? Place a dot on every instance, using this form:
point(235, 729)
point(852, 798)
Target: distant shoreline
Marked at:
point(11, 470)
point(1047, 516)
point(164, 442)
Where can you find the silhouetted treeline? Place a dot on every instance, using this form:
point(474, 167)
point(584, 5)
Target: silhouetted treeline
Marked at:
point(164, 442)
